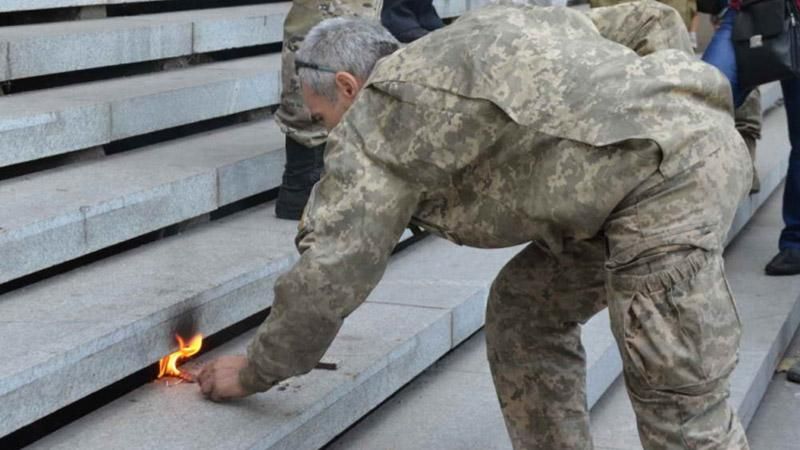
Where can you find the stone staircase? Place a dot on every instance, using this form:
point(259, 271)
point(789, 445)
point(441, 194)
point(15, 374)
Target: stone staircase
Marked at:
point(138, 160)
point(138, 163)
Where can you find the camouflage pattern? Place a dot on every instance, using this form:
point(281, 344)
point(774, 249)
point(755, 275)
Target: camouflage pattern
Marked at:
point(492, 132)
point(686, 8)
point(748, 123)
point(292, 116)
point(671, 311)
point(658, 26)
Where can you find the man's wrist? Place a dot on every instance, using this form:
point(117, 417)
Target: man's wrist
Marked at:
point(252, 382)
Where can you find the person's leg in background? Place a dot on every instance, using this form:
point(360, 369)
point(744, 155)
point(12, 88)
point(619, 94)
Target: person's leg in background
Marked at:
point(748, 124)
point(400, 19)
point(409, 20)
point(305, 140)
point(694, 26)
point(533, 337)
point(427, 15)
point(787, 261)
point(720, 54)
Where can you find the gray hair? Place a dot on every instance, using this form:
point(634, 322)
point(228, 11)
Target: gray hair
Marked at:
point(347, 44)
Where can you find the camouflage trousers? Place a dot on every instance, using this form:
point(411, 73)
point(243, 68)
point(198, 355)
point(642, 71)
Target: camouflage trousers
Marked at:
point(657, 266)
point(292, 116)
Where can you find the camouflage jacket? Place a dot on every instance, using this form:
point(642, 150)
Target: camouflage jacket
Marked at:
point(686, 8)
point(511, 125)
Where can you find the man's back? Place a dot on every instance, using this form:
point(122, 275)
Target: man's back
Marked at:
point(551, 70)
point(496, 118)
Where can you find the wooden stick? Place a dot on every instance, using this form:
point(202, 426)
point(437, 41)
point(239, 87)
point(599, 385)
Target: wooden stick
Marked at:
point(326, 366)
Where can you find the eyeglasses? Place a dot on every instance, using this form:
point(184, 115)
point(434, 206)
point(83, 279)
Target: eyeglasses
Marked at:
point(299, 64)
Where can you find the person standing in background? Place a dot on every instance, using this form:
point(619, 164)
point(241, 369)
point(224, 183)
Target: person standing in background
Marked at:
point(305, 136)
point(409, 20)
point(720, 53)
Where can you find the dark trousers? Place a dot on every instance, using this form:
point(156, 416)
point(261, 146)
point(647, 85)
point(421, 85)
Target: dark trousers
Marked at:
point(408, 20)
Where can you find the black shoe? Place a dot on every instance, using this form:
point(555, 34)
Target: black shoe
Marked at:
point(304, 167)
point(787, 262)
point(793, 374)
point(411, 34)
point(427, 16)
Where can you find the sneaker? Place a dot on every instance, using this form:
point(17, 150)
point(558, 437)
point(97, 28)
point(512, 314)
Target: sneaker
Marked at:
point(410, 35)
point(787, 262)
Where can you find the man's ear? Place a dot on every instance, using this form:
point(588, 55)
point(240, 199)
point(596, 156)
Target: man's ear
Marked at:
point(347, 85)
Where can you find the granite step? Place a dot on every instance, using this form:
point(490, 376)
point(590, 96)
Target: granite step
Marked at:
point(431, 298)
point(58, 47)
point(76, 333)
point(58, 215)
point(51, 48)
point(39, 124)
point(30, 5)
point(50, 122)
point(453, 404)
point(446, 8)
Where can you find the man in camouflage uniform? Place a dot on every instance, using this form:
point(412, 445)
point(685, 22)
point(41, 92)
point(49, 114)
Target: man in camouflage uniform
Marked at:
point(305, 139)
point(492, 132)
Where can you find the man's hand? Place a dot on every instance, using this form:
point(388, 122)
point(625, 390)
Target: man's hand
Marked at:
point(219, 379)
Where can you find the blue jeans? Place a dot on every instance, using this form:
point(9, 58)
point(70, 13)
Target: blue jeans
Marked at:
point(720, 54)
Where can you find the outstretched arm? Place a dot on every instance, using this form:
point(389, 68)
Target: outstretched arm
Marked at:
point(354, 218)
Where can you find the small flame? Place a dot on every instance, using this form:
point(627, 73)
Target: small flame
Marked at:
point(169, 364)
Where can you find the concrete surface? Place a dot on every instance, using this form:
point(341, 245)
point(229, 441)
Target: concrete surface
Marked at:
point(382, 346)
point(38, 124)
point(446, 8)
point(71, 335)
point(58, 215)
point(28, 5)
point(453, 405)
point(50, 48)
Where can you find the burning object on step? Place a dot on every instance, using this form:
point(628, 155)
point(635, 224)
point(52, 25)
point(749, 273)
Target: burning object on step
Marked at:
point(168, 366)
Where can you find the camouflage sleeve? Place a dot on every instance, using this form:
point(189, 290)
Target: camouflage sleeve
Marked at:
point(645, 26)
point(355, 216)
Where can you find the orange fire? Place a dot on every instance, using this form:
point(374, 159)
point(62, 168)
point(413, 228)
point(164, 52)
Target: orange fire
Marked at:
point(169, 364)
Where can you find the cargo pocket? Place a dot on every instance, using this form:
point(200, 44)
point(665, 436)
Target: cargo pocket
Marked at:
point(686, 333)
